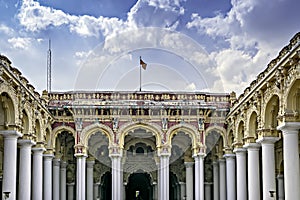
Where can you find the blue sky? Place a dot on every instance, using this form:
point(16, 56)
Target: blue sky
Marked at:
point(189, 45)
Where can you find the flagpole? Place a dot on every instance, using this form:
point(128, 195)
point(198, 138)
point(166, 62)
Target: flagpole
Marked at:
point(140, 75)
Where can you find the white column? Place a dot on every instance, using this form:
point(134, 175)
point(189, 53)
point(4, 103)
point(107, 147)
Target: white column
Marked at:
point(199, 176)
point(268, 166)
point(154, 185)
point(37, 173)
point(241, 181)
point(96, 191)
point(158, 180)
point(10, 163)
point(63, 180)
point(230, 176)
point(290, 131)
point(182, 190)
point(124, 190)
point(216, 179)
point(222, 175)
point(164, 165)
point(83, 184)
point(80, 176)
point(56, 179)
point(189, 180)
point(70, 191)
point(253, 171)
point(280, 184)
point(116, 176)
point(25, 169)
point(207, 187)
point(89, 179)
point(48, 176)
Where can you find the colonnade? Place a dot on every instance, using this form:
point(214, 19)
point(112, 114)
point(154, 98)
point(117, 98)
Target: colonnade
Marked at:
point(244, 181)
point(234, 177)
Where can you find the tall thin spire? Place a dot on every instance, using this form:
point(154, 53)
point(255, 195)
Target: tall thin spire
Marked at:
point(49, 68)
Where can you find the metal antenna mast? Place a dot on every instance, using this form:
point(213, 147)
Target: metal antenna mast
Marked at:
point(49, 68)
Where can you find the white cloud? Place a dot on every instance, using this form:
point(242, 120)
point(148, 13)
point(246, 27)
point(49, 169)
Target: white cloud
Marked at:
point(20, 43)
point(191, 87)
point(248, 31)
point(35, 17)
point(6, 30)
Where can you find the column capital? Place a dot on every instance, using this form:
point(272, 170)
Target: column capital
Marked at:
point(71, 184)
point(80, 155)
point(188, 164)
point(199, 155)
point(289, 127)
point(222, 160)
point(90, 163)
point(216, 162)
point(115, 155)
point(63, 164)
point(80, 149)
point(48, 155)
point(10, 134)
point(164, 154)
point(229, 156)
point(267, 140)
point(38, 149)
point(239, 150)
point(280, 176)
point(98, 183)
point(26, 142)
point(252, 146)
point(56, 162)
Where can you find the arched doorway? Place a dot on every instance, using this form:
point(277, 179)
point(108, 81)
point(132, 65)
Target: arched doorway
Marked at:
point(174, 187)
point(139, 182)
point(105, 187)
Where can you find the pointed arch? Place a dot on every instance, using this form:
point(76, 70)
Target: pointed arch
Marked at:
point(57, 131)
point(188, 129)
point(271, 112)
point(252, 125)
point(293, 97)
point(218, 129)
point(149, 127)
point(9, 106)
point(240, 131)
point(88, 131)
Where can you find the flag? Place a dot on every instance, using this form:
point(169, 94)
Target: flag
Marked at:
point(143, 64)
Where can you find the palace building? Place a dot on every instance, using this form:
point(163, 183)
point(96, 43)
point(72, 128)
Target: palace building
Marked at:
point(157, 145)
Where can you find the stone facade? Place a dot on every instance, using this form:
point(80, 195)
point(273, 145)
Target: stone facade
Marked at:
point(98, 145)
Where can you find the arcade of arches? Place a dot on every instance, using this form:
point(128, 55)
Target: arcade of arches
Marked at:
point(158, 145)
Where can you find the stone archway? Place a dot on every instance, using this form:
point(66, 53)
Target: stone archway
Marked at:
point(105, 186)
point(139, 183)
